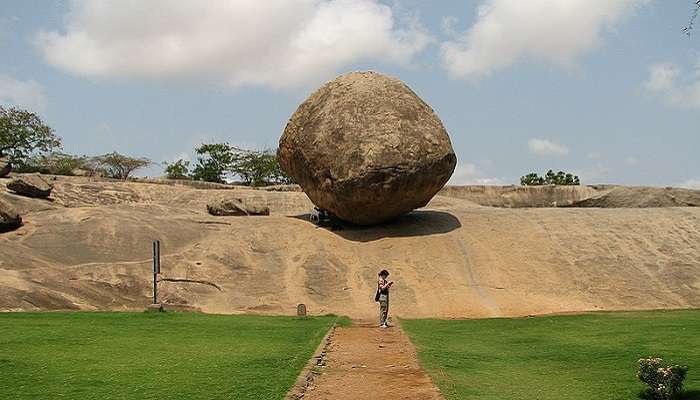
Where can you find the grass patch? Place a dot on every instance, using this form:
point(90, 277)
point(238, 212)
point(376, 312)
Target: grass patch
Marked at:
point(153, 355)
point(590, 356)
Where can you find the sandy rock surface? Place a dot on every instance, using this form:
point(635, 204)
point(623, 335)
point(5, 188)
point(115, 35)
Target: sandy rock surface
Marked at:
point(90, 249)
point(367, 148)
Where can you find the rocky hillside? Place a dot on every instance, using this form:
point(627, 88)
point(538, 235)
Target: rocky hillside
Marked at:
point(89, 247)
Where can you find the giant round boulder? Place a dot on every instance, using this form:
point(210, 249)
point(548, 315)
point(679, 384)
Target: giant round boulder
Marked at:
point(366, 148)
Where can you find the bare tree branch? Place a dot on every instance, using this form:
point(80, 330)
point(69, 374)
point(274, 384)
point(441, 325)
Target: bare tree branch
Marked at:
point(693, 17)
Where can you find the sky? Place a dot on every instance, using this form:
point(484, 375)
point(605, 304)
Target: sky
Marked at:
point(606, 89)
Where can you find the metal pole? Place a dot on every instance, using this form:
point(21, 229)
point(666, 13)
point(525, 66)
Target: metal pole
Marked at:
point(156, 261)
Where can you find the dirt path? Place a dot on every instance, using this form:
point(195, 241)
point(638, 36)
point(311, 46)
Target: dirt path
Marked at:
point(366, 362)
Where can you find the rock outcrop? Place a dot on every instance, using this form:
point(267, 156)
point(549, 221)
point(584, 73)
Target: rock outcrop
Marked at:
point(366, 148)
point(5, 167)
point(9, 217)
point(237, 207)
point(31, 186)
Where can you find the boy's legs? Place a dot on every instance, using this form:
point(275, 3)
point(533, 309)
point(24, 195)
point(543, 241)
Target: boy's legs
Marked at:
point(383, 309)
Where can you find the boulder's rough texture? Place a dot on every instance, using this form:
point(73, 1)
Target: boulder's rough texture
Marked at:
point(237, 207)
point(366, 148)
point(5, 167)
point(9, 218)
point(31, 186)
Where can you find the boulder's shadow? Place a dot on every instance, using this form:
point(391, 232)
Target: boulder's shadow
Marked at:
point(415, 223)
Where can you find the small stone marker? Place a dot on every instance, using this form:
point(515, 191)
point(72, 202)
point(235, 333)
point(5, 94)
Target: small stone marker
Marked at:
point(301, 310)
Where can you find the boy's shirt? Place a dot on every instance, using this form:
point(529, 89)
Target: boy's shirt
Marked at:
point(383, 288)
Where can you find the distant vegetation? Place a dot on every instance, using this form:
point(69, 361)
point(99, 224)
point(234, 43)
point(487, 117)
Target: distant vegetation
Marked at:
point(56, 163)
point(23, 134)
point(218, 161)
point(111, 165)
point(550, 178)
point(32, 146)
point(117, 166)
point(177, 170)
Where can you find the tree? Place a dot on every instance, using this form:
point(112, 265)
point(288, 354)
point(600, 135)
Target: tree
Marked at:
point(178, 170)
point(532, 179)
point(117, 166)
point(213, 162)
point(550, 178)
point(258, 168)
point(218, 161)
point(23, 133)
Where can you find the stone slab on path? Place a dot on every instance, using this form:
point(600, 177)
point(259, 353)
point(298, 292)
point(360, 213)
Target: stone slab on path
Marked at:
point(367, 362)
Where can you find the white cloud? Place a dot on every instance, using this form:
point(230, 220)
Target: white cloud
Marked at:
point(26, 94)
point(546, 147)
point(666, 81)
point(691, 184)
point(553, 31)
point(469, 174)
point(277, 43)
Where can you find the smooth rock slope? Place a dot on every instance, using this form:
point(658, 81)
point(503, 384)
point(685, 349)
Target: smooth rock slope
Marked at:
point(90, 249)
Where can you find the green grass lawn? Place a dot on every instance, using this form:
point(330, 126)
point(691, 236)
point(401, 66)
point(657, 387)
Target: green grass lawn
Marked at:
point(153, 355)
point(588, 357)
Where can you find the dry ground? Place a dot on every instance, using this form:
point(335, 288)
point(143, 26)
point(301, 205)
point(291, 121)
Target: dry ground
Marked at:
point(89, 248)
point(367, 362)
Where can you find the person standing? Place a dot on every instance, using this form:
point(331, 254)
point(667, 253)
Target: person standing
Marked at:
point(383, 286)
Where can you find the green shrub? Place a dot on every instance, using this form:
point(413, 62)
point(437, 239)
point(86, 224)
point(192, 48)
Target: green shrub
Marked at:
point(550, 178)
point(177, 170)
point(664, 382)
point(218, 161)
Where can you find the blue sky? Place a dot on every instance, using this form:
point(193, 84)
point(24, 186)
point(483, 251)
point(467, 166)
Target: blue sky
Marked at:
point(608, 89)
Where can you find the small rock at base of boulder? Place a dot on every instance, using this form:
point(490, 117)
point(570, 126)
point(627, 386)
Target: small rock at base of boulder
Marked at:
point(237, 207)
point(31, 186)
point(9, 217)
point(5, 167)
